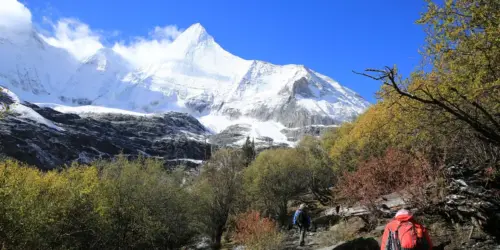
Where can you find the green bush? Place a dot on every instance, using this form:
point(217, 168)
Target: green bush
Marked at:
point(119, 204)
point(218, 190)
point(319, 165)
point(274, 178)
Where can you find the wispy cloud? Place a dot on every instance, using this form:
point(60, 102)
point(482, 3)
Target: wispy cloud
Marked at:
point(74, 36)
point(148, 50)
point(81, 41)
point(169, 32)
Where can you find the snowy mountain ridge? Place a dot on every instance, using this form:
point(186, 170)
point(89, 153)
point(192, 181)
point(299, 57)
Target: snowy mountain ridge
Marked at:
point(198, 77)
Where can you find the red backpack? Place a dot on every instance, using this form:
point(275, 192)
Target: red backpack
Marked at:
point(407, 236)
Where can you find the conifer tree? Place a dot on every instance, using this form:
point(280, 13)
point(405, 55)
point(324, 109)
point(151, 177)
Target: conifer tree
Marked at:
point(248, 151)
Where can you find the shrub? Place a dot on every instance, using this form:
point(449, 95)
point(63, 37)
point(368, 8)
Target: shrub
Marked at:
point(275, 177)
point(257, 233)
point(316, 160)
point(218, 189)
point(392, 172)
point(47, 210)
point(122, 203)
point(142, 205)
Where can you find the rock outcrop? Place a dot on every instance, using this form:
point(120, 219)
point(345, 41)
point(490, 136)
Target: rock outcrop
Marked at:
point(48, 139)
point(469, 199)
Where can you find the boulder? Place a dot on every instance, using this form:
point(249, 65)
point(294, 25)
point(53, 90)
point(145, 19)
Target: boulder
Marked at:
point(325, 221)
point(386, 205)
point(356, 223)
point(348, 229)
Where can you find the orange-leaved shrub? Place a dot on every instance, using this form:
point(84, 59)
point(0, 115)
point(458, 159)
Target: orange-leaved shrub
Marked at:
point(256, 232)
point(394, 171)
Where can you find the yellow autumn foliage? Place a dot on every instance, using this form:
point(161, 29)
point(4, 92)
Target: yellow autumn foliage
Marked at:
point(109, 204)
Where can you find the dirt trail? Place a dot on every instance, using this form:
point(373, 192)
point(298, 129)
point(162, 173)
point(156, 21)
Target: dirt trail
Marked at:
point(312, 242)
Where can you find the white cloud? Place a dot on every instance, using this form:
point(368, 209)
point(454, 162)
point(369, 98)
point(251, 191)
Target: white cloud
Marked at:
point(74, 36)
point(14, 15)
point(144, 51)
point(81, 41)
point(169, 32)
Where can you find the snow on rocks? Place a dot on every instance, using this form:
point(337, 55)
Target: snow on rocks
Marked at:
point(30, 114)
point(196, 76)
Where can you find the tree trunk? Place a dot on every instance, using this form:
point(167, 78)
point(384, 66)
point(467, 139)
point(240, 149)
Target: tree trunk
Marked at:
point(321, 195)
point(282, 214)
point(217, 237)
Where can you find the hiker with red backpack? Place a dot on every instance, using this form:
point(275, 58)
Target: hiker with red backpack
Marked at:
point(404, 233)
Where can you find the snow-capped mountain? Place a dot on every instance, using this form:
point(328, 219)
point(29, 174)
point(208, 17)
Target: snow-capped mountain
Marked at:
point(31, 67)
point(198, 77)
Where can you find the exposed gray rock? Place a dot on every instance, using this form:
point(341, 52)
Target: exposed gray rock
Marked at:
point(386, 204)
point(230, 135)
point(470, 200)
point(301, 87)
point(325, 221)
point(5, 99)
point(174, 137)
point(294, 134)
point(289, 112)
point(233, 134)
point(198, 104)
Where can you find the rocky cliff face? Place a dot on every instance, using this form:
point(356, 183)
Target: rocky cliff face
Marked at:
point(48, 139)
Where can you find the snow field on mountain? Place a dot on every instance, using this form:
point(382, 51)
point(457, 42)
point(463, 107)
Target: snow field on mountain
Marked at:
point(257, 129)
point(89, 109)
point(26, 113)
point(30, 114)
point(197, 76)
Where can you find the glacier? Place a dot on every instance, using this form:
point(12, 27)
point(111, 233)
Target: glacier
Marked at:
point(198, 77)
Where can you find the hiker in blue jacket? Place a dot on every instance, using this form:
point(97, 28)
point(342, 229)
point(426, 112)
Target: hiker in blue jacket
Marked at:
point(303, 221)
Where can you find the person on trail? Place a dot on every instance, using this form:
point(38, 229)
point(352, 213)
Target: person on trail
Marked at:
point(404, 233)
point(303, 221)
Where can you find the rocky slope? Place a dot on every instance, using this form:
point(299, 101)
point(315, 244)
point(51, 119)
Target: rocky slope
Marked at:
point(48, 139)
point(355, 227)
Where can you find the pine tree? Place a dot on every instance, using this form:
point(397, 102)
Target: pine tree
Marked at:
point(254, 154)
point(248, 151)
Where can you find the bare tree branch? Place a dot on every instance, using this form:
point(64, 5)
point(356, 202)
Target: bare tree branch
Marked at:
point(389, 77)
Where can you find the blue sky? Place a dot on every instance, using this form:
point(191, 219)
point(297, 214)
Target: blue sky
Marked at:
point(331, 37)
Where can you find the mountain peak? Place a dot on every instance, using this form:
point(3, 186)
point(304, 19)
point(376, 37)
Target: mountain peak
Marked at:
point(195, 75)
point(104, 57)
point(101, 53)
point(195, 34)
point(197, 27)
